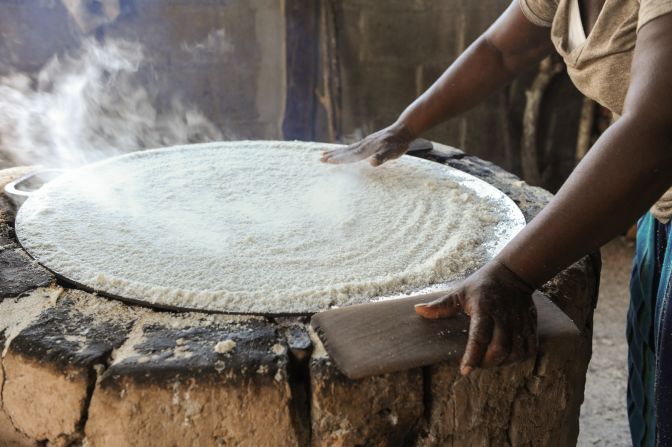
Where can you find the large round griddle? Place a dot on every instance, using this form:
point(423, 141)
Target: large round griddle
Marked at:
point(105, 184)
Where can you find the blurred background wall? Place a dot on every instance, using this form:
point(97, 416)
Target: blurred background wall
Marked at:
point(323, 70)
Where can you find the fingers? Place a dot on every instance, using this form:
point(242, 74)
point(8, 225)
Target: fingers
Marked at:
point(500, 346)
point(532, 345)
point(480, 333)
point(524, 343)
point(348, 154)
point(444, 307)
point(517, 349)
point(495, 343)
point(531, 341)
point(378, 149)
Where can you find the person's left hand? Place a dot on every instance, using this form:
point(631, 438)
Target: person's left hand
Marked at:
point(503, 326)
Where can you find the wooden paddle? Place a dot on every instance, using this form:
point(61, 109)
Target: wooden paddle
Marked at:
point(388, 336)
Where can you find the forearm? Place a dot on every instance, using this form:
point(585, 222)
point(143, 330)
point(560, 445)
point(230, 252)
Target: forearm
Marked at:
point(477, 73)
point(624, 173)
point(509, 47)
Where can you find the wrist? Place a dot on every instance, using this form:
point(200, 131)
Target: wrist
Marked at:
point(507, 274)
point(404, 130)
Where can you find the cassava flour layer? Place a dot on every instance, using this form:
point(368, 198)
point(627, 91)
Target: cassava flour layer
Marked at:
point(262, 227)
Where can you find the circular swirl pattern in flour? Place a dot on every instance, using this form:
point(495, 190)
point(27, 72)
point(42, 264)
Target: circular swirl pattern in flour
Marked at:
point(262, 227)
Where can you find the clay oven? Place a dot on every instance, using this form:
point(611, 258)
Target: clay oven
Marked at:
point(77, 366)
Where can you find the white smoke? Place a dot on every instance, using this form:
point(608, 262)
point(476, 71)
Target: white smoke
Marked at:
point(89, 105)
point(215, 46)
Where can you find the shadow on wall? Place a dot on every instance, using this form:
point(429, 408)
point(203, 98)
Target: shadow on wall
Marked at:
point(261, 69)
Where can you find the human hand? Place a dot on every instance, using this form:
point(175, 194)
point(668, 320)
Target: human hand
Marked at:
point(379, 147)
point(503, 326)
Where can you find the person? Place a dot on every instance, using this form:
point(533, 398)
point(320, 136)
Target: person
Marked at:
point(619, 53)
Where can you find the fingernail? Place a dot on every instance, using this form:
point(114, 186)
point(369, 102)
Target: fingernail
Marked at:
point(421, 305)
point(466, 370)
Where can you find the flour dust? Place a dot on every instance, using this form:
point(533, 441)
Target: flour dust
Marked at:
point(94, 103)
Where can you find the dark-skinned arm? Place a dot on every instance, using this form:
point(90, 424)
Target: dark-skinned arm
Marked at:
point(627, 169)
point(625, 172)
point(510, 46)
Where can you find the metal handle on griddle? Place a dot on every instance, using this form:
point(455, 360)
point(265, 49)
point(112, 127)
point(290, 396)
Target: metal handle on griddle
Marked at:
point(18, 195)
point(420, 145)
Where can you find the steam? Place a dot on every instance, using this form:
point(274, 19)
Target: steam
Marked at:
point(92, 104)
point(216, 43)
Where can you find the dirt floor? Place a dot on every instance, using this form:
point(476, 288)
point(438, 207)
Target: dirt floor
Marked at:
point(603, 415)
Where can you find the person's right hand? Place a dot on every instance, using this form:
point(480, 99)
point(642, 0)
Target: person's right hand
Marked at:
point(386, 144)
point(503, 319)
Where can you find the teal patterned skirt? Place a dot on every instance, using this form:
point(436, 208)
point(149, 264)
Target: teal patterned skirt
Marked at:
point(649, 334)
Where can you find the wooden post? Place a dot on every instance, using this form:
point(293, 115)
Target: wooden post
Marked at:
point(532, 172)
point(330, 68)
point(302, 38)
